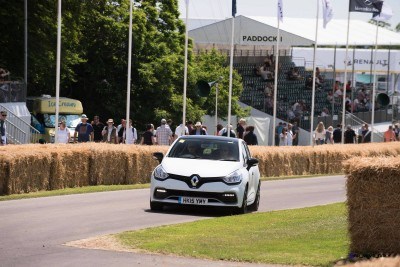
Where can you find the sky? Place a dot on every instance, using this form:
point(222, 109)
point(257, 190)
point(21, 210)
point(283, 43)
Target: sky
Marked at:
point(220, 9)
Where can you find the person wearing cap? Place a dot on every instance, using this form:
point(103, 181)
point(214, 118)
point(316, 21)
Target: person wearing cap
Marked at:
point(84, 131)
point(198, 129)
point(109, 133)
point(3, 136)
point(97, 129)
point(63, 133)
point(163, 134)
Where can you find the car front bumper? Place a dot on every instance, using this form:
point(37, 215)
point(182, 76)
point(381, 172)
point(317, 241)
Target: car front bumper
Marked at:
point(218, 194)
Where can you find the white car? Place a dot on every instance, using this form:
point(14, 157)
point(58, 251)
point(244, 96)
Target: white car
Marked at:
point(206, 170)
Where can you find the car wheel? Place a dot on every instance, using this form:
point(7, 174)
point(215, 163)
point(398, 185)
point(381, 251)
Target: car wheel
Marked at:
point(243, 208)
point(256, 203)
point(156, 206)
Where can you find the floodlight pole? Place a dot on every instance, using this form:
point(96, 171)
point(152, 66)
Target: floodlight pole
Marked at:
point(216, 108)
point(58, 67)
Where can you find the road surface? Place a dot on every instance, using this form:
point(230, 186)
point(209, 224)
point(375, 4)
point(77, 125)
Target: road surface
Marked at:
point(33, 231)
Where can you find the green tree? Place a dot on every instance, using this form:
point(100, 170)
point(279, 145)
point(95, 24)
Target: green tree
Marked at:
point(210, 67)
point(12, 37)
point(94, 58)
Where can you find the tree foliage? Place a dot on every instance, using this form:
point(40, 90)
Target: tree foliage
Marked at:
point(94, 58)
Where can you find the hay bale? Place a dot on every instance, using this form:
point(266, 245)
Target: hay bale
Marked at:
point(132, 168)
point(29, 171)
point(107, 165)
point(70, 167)
point(376, 262)
point(4, 174)
point(373, 192)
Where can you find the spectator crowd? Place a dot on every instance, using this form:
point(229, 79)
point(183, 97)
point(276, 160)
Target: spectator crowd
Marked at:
point(163, 135)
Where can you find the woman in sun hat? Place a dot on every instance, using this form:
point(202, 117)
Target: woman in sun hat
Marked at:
point(110, 133)
point(198, 129)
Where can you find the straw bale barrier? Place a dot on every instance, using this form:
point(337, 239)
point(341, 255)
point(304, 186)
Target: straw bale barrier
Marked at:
point(27, 168)
point(373, 200)
point(377, 262)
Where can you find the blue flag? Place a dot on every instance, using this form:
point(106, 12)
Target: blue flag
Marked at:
point(233, 8)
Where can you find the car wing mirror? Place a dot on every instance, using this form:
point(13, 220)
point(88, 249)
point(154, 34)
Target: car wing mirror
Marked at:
point(158, 156)
point(251, 162)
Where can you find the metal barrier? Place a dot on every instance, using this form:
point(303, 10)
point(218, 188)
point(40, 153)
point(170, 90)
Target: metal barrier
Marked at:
point(18, 131)
point(356, 122)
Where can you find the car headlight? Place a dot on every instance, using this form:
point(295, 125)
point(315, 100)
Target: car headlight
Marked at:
point(233, 178)
point(160, 173)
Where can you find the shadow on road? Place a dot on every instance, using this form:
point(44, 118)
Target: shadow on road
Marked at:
point(195, 211)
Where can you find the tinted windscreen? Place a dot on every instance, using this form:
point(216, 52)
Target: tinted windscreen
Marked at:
point(71, 120)
point(212, 149)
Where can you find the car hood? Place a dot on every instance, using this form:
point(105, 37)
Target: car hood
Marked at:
point(201, 167)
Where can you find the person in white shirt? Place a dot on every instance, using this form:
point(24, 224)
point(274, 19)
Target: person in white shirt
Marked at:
point(325, 112)
point(320, 134)
point(131, 136)
point(181, 130)
point(290, 135)
point(63, 134)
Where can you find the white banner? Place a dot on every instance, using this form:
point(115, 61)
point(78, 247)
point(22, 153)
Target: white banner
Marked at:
point(280, 10)
point(362, 60)
point(327, 11)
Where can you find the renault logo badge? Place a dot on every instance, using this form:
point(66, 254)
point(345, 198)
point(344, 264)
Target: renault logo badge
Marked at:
point(195, 180)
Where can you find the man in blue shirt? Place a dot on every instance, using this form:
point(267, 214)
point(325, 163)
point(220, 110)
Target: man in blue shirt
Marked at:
point(83, 130)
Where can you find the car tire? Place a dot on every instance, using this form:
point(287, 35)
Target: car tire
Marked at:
point(243, 208)
point(256, 203)
point(156, 206)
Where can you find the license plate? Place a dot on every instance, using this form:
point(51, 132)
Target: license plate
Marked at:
point(193, 200)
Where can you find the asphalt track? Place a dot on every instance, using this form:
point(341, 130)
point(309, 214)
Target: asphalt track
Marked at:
point(33, 231)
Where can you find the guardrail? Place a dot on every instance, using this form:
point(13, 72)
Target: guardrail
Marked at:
point(18, 131)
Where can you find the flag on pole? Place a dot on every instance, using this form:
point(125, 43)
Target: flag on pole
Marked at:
point(386, 13)
point(327, 10)
point(280, 10)
point(233, 8)
point(365, 6)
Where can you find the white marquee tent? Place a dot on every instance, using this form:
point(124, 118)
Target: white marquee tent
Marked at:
point(251, 30)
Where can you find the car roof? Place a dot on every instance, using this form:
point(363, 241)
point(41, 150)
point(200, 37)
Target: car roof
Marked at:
point(209, 137)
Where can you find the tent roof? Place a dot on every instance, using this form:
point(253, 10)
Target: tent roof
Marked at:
point(296, 31)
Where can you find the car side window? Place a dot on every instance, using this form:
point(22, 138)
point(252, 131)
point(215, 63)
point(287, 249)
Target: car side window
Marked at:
point(247, 150)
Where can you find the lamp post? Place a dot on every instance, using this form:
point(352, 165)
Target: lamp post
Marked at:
point(216, 109)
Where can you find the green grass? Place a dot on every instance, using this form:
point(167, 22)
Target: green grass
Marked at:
point(308, 236)
point(76, 190)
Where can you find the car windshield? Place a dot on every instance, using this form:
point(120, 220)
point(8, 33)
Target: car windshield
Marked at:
point(71, 120)
point(211, 149)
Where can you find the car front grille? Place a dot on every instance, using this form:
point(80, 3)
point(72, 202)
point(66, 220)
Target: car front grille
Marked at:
point(201, 180)
point(225, 197)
